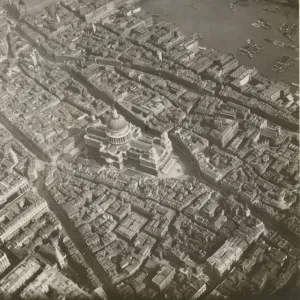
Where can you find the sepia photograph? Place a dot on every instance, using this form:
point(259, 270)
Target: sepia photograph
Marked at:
point(149, 150)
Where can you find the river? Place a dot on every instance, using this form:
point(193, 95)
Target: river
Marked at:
point(226, 31)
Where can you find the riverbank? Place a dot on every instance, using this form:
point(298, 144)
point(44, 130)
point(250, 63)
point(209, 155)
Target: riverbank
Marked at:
point(226, 31)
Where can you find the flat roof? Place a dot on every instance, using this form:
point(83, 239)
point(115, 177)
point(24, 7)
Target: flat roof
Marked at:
point(131, 225)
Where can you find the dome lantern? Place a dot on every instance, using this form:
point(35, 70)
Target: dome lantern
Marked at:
point(118, 130)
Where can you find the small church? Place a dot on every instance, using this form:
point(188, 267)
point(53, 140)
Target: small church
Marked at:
point(119, 143)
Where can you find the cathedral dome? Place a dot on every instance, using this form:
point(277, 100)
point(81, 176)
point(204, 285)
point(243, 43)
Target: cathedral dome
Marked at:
point(116, 122)
point(118, 130)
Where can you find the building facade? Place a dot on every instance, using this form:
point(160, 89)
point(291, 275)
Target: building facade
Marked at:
point(4, 262)
point(10, 224)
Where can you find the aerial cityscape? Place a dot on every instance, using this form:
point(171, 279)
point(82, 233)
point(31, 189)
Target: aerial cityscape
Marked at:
point(149, 149)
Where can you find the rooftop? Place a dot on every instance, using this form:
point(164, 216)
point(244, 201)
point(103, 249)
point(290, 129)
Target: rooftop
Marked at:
point(131, 225)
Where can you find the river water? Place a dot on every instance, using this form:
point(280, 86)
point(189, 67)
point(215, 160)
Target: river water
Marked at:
point(226, 31)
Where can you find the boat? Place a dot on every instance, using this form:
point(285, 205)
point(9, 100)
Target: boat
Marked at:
point(278, 43)
point(255, 25)
point(266, 25)
point(243, 50)
point(269, 40)
point(291, 47)
point(284, 59)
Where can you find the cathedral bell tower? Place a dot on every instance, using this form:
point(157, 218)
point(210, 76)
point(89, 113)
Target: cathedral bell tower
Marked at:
point(153, 156)
point(165, 141)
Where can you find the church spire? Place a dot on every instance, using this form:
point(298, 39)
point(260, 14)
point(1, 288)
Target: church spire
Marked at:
point(60, 257)
point(247, 210)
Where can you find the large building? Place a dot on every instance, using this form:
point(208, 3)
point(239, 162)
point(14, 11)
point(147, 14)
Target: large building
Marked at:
point(18, 276)
point(131, 226)
point(223, 259)
point(19, 213)
point(25, 7)
point(4, 262)
point(233, 248)
point(52, 279)
point(164, 277)
point(11, 184)
point(224, 131)
point(119, 142)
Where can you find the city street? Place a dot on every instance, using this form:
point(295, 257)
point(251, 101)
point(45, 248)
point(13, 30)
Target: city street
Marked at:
point(75, 237)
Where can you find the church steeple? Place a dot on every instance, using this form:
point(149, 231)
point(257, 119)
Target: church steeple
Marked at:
point(60, 257)
point(247, 210)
